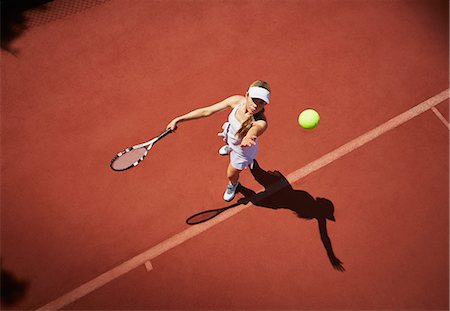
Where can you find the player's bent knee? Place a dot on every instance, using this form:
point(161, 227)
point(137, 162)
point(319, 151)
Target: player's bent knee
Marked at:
point(232, 171)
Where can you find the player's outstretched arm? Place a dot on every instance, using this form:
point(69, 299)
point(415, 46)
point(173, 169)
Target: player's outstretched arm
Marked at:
point(229, 102)
point(256, 130)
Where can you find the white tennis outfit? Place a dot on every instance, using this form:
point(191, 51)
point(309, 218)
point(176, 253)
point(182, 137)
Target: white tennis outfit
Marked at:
point(240, 157)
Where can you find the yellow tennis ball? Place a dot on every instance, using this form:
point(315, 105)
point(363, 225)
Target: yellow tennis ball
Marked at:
point(308, 119)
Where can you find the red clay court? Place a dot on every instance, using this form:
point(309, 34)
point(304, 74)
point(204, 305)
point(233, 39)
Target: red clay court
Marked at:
point(82, 80)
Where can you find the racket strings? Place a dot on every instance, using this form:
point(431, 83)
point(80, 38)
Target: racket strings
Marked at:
point(128, 158)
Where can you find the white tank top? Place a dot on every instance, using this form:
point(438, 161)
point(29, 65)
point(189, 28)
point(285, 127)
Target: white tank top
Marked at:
point(235, 125)
point(230, 130)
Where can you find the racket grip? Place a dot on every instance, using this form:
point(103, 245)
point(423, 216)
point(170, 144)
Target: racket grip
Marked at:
point(165, 133)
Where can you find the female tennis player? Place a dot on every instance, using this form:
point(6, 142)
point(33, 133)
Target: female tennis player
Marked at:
point(245, 123)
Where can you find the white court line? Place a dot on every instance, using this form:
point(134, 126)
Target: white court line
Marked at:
point(441, 117)
point(193, 231)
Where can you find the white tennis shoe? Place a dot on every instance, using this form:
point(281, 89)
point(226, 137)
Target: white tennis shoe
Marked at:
point(230, 193)
point(224, 150)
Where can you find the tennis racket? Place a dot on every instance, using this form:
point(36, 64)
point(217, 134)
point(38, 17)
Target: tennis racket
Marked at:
point(131, 157)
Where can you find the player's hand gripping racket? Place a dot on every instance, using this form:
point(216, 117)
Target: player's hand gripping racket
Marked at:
point(131, 157)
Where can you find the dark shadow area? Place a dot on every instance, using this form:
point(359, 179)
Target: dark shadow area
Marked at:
point(279, 194)
point(207, 215)
point(436, 11)
point(13, 20)
point(13, 289)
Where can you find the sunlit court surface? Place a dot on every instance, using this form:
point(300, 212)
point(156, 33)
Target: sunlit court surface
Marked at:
point(350, 215)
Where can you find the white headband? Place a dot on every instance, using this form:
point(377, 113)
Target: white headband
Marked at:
point(259, 92)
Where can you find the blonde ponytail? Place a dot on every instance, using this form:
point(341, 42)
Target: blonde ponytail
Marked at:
point(245, 127)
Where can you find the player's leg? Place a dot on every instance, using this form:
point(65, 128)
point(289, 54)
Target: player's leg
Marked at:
point(233, 174)
point(233, 178)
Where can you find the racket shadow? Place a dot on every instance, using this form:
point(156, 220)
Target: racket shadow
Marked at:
point(207, 215)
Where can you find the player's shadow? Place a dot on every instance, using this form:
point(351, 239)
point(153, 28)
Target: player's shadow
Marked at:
point(279, 194)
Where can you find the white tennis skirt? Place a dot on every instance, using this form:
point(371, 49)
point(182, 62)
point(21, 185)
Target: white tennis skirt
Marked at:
point(240, 157)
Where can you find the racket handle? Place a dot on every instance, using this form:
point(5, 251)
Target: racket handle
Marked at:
point(165, 133)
